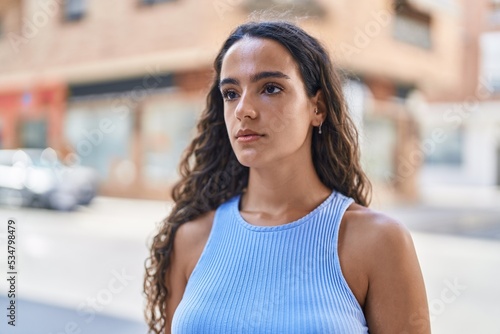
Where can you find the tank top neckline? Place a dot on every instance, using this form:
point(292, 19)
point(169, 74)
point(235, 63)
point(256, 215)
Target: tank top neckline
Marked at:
point(258, 228)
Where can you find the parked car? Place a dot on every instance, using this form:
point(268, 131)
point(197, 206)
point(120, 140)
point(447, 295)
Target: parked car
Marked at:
point(36, 177)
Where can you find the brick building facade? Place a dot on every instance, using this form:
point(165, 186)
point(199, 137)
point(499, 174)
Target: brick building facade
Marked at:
point(128, 77)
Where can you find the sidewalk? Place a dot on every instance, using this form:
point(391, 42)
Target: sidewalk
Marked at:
point(456, 232)
point(461, 277)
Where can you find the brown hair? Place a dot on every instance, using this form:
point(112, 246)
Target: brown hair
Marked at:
point(211, 174)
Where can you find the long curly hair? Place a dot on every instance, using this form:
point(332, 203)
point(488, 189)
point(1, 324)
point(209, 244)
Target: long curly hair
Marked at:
point(211, 174)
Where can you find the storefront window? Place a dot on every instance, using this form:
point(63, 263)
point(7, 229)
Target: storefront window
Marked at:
point(167, 129)
point(100, 136)
point(379, 145)
point(447, 150)
point(489, 64)
point(33, 134)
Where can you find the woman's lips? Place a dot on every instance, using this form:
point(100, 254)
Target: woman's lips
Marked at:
point(248, 138)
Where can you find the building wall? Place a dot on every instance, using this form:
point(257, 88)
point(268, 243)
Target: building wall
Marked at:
point(477, 147)
point(121, 39)
point(472, 110)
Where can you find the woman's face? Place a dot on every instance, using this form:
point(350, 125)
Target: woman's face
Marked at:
point(264, 94)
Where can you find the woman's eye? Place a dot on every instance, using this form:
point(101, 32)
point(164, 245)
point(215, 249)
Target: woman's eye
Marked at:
point(229, 95)
point(272, 89)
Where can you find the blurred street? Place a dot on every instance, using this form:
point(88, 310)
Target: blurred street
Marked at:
point(456, 232)
point(459, 211)
point(51, 319)
point(88, 263)
point(74, 266)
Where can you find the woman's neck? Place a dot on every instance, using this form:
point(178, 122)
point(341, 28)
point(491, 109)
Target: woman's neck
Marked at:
point(279, 191)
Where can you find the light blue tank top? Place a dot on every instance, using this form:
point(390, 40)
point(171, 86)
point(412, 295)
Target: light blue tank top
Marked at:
point(271, 279)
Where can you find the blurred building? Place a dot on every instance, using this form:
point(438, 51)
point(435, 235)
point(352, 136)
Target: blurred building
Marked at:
point(461, 128)
point(118, 84)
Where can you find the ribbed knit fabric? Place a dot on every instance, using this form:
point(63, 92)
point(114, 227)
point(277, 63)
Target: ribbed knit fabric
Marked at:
point(271, 279)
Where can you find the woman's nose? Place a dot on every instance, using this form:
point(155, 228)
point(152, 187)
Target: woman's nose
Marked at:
point(245, 108)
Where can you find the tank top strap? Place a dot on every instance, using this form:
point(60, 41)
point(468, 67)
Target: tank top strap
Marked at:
point(338, 210)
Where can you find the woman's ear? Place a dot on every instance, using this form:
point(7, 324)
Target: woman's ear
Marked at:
point(318, 101)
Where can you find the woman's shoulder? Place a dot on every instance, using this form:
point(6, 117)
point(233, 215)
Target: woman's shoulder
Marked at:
point(374, 234)
point(190, 239)
point(372, 225)
point(192, 232)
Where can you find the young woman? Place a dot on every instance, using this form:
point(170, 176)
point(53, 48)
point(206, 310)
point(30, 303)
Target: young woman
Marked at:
point(270, 232)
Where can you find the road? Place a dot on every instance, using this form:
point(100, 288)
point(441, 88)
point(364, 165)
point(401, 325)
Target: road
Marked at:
point(86, 267)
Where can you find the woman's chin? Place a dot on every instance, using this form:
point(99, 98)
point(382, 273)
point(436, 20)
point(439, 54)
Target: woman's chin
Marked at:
point(249, 159)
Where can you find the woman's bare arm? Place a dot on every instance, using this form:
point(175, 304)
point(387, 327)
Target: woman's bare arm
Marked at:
point(396, 299)
point(189, 242)
point(175, 278)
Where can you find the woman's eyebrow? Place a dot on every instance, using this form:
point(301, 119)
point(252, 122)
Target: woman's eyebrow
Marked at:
point(256, 77)
point(269, 74)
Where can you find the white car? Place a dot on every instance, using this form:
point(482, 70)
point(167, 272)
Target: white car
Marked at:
point(35, 177)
